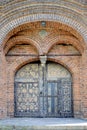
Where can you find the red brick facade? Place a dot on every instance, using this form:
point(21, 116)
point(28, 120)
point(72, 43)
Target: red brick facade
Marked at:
point(25, 41)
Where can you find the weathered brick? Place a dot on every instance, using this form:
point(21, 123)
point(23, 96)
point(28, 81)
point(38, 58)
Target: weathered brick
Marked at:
point(23, 39)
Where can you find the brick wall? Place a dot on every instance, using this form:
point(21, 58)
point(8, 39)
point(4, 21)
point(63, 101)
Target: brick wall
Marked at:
point(23, 40)
point(3, 85)
point(26, 45)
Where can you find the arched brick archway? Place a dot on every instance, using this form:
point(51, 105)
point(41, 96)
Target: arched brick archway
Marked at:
point(43, 47)
point(42, 17)
point(68, 63)
point(67, 40)
point(72, 21)
point(22, 40)
point(44, 37)
point(48, 43)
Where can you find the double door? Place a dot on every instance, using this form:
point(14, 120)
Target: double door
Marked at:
point(43, 91)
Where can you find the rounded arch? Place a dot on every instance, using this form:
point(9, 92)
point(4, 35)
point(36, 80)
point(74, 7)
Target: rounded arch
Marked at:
point(67, 40)
point(43, 17)
point(22, 63)
point(31, 81)
point(49, 60)
point(20, 40)
point(16, 65)
point(67, 63)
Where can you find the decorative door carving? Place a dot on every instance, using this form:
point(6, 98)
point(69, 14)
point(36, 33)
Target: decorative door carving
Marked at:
point(43, 92)
point(59, 91)
point(27, 91)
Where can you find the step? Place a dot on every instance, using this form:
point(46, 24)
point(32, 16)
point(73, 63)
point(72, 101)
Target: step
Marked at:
point(43, 124)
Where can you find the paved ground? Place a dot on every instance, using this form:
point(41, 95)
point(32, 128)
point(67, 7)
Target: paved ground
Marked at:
point(43, 124)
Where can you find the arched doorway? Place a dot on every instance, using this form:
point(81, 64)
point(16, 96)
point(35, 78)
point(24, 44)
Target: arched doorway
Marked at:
point(43, 91)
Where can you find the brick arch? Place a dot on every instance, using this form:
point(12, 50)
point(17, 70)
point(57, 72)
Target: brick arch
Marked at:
point(18, 63)
point(65, 64)
point(65, 39)
point(62, 62)
point(22, 39)
point(24, 62)
point(76, 25)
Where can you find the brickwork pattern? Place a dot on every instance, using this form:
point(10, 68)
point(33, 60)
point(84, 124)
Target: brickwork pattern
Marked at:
point(24, 14)
point(20, 24)
point(45, 44)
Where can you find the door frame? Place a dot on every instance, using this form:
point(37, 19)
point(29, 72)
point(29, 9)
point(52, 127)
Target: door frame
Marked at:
point(44, 83)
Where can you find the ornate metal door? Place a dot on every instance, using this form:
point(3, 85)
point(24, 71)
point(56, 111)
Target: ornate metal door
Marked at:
point(27, 91)
point(43, 92)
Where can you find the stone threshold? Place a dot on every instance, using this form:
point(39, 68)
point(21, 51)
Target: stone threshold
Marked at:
point(43, 124)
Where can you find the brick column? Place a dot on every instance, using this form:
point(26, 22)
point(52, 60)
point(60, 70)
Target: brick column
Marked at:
point(3, 89)
point(83, 85)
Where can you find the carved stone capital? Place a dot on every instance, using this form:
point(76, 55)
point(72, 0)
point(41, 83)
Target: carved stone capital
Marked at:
point(43, 59)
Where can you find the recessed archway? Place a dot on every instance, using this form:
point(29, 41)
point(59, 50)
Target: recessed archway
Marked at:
point(43, 44)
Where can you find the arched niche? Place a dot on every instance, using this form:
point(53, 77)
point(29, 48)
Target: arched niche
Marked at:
point(64, 49)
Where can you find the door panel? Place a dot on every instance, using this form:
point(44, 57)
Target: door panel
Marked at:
point(27, 91)
point(59, 85)
point(27, 99)
point(65, 98)
point(52, 98)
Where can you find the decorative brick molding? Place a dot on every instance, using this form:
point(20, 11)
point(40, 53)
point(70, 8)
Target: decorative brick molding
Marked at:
point(43, 38)
point(43, 17)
